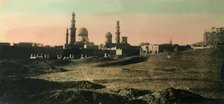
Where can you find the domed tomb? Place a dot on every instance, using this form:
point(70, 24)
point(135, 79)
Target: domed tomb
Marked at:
point(83, 34)
point(108, 35)
point(108, 41)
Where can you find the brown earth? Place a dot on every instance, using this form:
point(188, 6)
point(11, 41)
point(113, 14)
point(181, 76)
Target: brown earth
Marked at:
point(164, 78)
point(197, 71)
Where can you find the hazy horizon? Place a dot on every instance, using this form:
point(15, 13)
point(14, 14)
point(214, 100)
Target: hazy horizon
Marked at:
point(153, 21)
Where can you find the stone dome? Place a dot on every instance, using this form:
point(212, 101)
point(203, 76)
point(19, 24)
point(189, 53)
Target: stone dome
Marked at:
point(83, 32)
point(108, 35)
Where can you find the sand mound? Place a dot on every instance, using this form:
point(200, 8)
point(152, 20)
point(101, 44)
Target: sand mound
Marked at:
point(37, 91)
point(74, 96)
point(133, 93)
point(171, 96)
point(125, 96)
point(26, 90)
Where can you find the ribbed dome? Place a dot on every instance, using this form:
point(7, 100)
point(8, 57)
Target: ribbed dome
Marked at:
point(83, 32)
point(108, 35)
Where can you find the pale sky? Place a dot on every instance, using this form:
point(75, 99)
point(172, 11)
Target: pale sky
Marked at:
point(153, 21)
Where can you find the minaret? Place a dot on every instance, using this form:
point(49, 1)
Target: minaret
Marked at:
point(118, 35)
point(171, 42)
point(73, 31)
point(66, 43)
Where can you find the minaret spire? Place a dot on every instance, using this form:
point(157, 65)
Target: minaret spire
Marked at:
point(66, 41)
point(73, 18)
point(118, 35)
point(73, 31)
point(171, 42)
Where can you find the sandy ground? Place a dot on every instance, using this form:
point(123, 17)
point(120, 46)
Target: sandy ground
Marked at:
point(195, 71)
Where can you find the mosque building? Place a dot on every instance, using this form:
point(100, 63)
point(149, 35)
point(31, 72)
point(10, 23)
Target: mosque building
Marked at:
point(81, 46)
point(108, 41)
point(83, 35)
point(120, 44)
point(83, 43)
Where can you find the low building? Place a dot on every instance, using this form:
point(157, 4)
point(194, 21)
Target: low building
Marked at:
point(214, 36)
point(4, 44)
point(147, 48)
point(200, 45)
point(144, 50)
point(28, 44)
point(173, 47)
point(153, 48)
point(25, 52)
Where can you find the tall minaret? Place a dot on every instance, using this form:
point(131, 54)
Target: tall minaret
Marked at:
point(118, 35)
point(66, 41)
point(73, 31)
